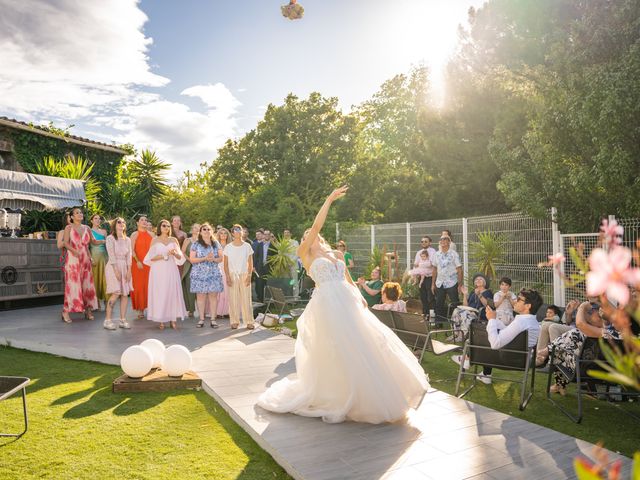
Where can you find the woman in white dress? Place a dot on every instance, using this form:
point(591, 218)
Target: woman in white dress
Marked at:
point(349, 365)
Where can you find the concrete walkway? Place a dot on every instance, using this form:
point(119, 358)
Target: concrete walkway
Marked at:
point(447, 438)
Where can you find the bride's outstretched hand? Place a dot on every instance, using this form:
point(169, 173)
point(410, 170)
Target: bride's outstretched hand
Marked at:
point(338, 192)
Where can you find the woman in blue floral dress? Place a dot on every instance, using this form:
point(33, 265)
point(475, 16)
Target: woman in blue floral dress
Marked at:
point(206, 279)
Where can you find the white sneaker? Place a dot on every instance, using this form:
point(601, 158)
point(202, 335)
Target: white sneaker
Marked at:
point(124, 324)
point(458, 359)
point(108, 324)
point(486, 379)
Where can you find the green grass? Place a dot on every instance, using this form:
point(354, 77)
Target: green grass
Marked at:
point(78, 428)
point(601, 421)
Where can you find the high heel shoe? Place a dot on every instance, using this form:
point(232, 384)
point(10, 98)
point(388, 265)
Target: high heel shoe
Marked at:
point(65, 317)
point(161, 327)
point(173, 325)
point(88, 314)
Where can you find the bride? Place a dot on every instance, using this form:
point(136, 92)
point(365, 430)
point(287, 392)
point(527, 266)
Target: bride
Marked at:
point(349, 365)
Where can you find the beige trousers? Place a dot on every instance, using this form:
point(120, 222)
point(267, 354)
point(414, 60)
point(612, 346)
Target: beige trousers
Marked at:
point(240, 300)
point(549, 331)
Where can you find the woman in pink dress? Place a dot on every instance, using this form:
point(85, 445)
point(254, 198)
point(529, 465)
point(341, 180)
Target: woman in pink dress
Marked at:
point(166, 302)
point(118, 272)
point(223, 297)
point(79, 292)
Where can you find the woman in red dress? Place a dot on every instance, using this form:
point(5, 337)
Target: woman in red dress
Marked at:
point(140, 243)
point(79, 291)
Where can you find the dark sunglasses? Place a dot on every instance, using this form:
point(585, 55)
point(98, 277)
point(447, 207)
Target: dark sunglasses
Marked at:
point(205, 229)
point(122, 222)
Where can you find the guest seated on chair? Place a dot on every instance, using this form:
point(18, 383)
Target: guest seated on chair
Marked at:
point(478, 300)
point(391, 293)
point(500, 335)
point(590, 322)
point(370, 290)
point(551, 329)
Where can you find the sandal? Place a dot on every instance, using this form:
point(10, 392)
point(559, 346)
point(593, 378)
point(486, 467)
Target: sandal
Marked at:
point(65, 317)
point(234, 327)
point(88, 314)
point(214, 324)
point(558, 389)
point(200, 324)
point(541, 360)
point(140, 316)
point(173, 325)
point(250, 326)
point(161, 327)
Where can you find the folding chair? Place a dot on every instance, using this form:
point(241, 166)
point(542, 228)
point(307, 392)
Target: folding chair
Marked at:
point(277, 298)
point(412, 329)
point(9, 386)
point(516, 356)
point(589, 355)
point(385, 317)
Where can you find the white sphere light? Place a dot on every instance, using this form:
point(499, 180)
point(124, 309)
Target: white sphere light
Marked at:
point(136, 361)
point(157, 348)
point(177, 360)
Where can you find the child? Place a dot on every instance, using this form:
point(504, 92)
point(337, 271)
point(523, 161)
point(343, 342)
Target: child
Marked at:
point(423, 269)
point(504, 301)
point(552, 314)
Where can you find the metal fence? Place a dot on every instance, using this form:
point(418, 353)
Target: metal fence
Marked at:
point(527, 241)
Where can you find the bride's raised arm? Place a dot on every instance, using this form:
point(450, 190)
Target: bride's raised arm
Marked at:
point(318, 223)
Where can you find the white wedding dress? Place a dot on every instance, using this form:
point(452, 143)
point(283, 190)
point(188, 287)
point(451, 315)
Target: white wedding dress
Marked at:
point(349, 365)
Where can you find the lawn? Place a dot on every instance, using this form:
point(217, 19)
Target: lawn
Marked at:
point(80, 429)
point(602, 421)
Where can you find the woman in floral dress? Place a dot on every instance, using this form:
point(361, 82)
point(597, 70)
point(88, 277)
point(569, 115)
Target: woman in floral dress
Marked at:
point(79, 291)
point(206, 278)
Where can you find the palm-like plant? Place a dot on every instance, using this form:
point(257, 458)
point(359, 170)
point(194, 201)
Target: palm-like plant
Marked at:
point(487, 252)
point(148, 174)
point(76, 169)
point(282, 260)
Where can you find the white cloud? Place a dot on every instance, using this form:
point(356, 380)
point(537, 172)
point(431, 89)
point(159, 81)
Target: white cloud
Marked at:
point(86, 62)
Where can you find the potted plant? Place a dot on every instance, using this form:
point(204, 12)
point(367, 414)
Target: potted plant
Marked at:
point(281, 264)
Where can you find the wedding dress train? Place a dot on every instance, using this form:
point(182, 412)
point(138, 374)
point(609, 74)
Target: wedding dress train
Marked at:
point(349, 365)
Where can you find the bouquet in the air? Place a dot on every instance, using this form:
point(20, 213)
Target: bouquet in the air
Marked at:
point(292, 11)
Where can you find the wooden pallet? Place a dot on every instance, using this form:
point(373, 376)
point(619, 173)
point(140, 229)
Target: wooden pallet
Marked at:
point(157, 381)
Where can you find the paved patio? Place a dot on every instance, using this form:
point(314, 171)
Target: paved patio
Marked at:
point(447, 438)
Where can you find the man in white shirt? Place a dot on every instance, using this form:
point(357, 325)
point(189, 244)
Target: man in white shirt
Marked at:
point(500, 335)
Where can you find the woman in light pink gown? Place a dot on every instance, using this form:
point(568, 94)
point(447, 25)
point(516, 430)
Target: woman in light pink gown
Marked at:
point(166, 302)
point(223, 297)
point(118, 273)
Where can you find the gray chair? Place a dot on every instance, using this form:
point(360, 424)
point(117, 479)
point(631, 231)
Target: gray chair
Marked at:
point(385, 317)
point(9, 386)
point(412, 329)
point(516, 356)
point(590, 359)
point(278, 300)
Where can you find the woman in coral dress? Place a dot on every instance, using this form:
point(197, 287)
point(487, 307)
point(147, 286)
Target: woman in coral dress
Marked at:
point(166, 302)
point(118, 273)
point(223, 297)
point(140, 243)
point(79, 292)
point(98, 258)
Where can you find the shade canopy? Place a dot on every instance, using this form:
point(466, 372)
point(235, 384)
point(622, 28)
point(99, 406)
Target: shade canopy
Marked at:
point(39, 192)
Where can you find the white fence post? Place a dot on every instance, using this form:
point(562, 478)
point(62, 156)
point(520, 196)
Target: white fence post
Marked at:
point(337, 231)
point(558, 273)
point(408, 246)
point(465, 251)
point(373, 237)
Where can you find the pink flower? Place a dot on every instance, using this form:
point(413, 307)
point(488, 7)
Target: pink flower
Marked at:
point(556, 259)
point(612, 273)
point(612, 232)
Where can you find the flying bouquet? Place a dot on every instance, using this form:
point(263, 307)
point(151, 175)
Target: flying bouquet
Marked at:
point(292, 11)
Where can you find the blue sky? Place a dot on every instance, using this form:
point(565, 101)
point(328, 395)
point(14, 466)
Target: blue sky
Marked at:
point(182, 76)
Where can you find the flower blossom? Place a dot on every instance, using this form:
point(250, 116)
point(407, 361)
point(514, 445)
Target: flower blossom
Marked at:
point(556, 259)
point(612, 232)
point(611, 273)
